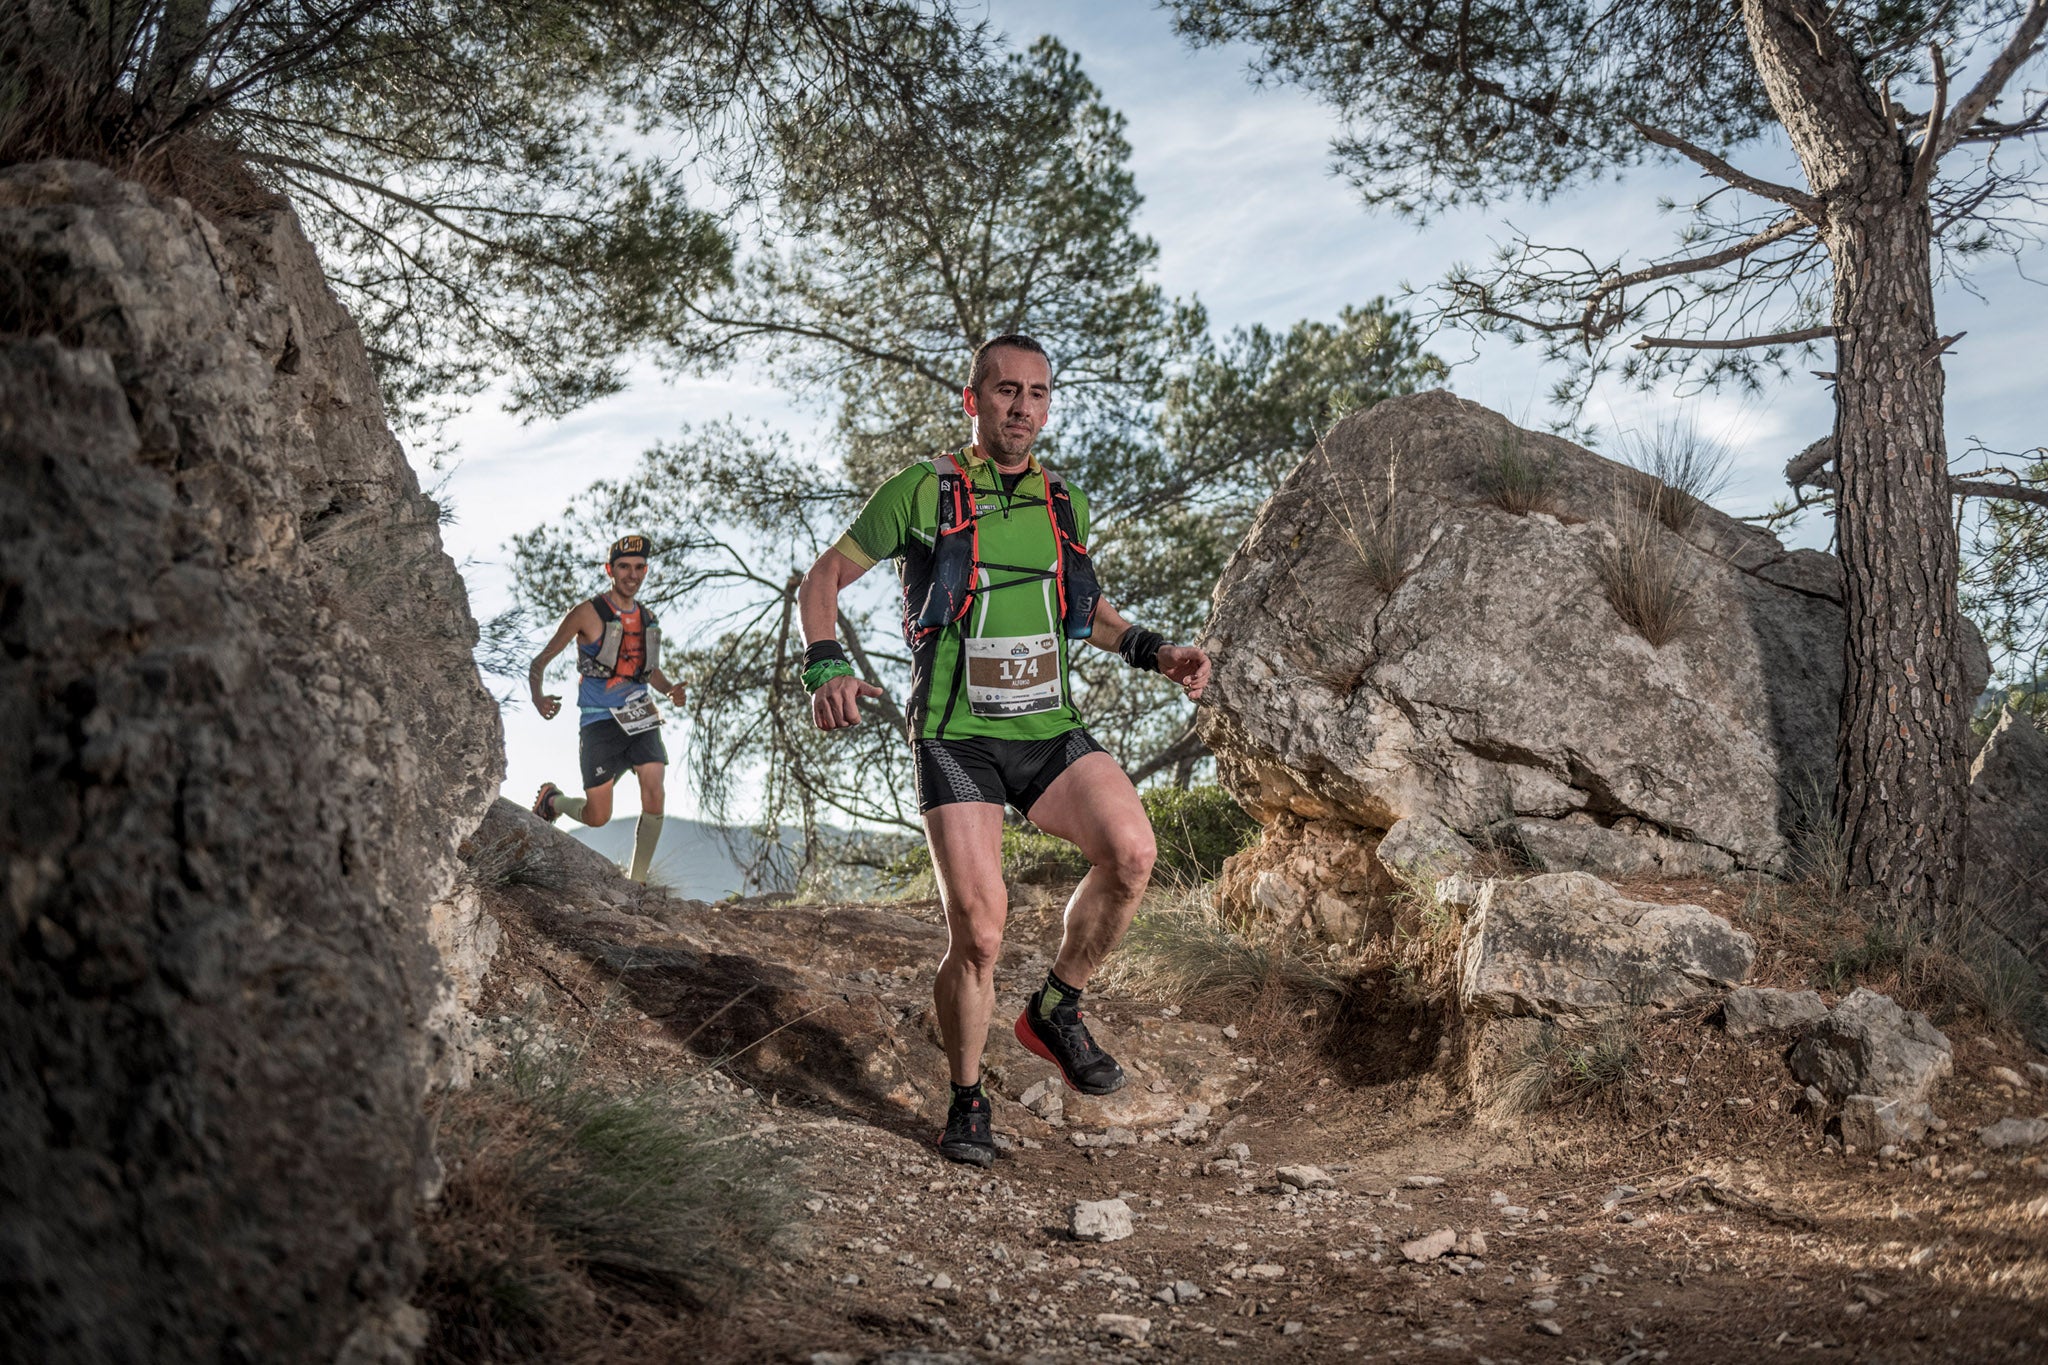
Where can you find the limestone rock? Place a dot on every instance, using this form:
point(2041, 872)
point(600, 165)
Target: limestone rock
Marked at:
point(2007, 844)
point(1867, 1045)
point(241, 747)
point(1316, 875)
point(2011, 1132)
point(1753, 1012)
point(1100, 1220)
point(1582, 845)
point(1568, 945)
point(1123, 1326)
point(1428, 1248)
point(1497, 679)
point(1422, 849)
point(1870, 1123)
point(1305, 1178)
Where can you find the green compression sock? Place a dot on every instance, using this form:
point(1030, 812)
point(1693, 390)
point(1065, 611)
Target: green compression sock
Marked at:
point(1054, 994)
point(571, 806)
point(646, 834)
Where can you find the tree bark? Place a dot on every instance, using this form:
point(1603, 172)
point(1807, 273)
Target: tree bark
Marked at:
point(1902, 770)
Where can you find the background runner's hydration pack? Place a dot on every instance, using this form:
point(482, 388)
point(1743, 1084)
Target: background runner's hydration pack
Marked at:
point(956, 556)
point(605, 663)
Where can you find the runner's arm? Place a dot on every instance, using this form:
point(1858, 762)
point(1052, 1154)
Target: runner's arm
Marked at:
point(658, 680)
point(1187, 665)
point(836, 704)
point(573, 625)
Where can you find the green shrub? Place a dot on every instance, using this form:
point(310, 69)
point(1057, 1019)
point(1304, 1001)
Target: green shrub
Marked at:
point(1197, 828)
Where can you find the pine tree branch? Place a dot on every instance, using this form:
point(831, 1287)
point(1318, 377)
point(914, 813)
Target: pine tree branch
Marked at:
point(1734, 343)
point(1776, 232)
point(2010, 492)
point(1808, 207)
point(2017, 50)
point(1930, 139)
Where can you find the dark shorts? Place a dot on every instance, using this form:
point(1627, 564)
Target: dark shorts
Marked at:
point(995, 770)
point(609, 752)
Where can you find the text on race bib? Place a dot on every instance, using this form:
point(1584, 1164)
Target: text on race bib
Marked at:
point(1013, 675)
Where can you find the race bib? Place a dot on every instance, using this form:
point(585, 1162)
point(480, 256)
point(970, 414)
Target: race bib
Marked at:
point(638, 715)
point(1013, 675)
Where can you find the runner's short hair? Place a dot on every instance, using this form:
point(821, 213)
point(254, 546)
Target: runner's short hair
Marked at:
point(1014, 340)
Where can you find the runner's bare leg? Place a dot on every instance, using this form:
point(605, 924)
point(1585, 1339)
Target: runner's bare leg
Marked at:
point(1094, 807)
point(966, 840)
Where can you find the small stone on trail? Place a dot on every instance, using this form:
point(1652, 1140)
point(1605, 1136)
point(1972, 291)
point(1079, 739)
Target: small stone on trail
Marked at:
point(2010, 1077)
point(942, 1281)
point(1306, 1177)
point(1123, 1326)
point(2039, 1072)
point(1425, 1249)
point(834, 1358)
point(1166, 1295)
point(1100, 1220)
point(1421, 1182)
point(1548, 1327)
point(1471, 1244)
point(2038, 1208)
point(1240, 1152)
point(1289, 1329)
point(1230, 1031)
point(1186, 1291)
point(1265, 1271)
point(1541, 1305)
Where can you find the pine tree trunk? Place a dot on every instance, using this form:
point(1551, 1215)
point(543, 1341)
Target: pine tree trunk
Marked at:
point(1901, 772)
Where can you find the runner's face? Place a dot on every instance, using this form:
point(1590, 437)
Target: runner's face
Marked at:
point(627, 571)
point(1012, 404)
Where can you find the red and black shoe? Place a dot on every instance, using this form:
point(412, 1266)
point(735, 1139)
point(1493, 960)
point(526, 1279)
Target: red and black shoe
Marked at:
point(1059, 1036)
point(967, 1138)
point(544, 804)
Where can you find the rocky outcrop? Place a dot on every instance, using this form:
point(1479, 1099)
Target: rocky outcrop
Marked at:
point(1421, 850)
point(1318, 876)
point(1868, 1045)
point(2008, 834)
point(1569, 946)
point(243, 738)
point(1497, 680)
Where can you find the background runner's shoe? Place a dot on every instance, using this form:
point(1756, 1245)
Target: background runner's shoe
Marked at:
point(544, 804)
point(1062, 1039)
point(967, 1135)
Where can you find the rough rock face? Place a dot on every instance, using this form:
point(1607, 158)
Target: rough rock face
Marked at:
point(1317, 875)
point(1567, 945)
point(242, 738)
point(1422, 849)
point(1760, 1012)
point(1497, 680)
point(2008, 837)
point(1867, 1045)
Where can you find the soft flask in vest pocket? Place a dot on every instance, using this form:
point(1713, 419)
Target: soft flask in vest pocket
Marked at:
point(1077, 617)
point(954, 550)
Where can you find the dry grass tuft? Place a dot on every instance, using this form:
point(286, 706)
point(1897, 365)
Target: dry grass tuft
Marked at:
point(1560, 1067)
point(1187, 949)
point(1378, 532)
point(1648, 572)
point(1685, 468)
point(1516, 481)
point(575, 1219)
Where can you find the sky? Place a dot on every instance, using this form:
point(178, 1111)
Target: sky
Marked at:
point(1240, 197)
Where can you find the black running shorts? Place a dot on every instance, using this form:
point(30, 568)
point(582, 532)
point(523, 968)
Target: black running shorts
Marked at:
point(995, 770)
point(609, 752)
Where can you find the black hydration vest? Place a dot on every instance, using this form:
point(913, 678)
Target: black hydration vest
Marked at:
point(957, 562)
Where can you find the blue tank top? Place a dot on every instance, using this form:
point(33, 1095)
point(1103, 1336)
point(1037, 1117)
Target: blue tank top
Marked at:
point(597, 696)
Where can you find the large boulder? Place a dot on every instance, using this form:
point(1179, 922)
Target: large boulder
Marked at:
point(1868, 1045)
point(2008, 834)
point(242, 739)
point(1497, 679)
point(1569, 946)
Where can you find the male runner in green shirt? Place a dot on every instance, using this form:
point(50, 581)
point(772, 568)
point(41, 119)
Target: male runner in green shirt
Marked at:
point(992, 720)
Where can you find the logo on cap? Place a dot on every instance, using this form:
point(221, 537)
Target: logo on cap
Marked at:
point(627, 545)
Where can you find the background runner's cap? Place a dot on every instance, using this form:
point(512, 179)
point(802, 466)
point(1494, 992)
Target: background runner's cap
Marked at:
point(627, 545)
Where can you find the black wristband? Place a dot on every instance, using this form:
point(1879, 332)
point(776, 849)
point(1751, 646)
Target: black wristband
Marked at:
point(822, 650)
point(1140, 648)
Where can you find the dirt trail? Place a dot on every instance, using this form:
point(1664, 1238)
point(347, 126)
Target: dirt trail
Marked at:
point(1708, 1224)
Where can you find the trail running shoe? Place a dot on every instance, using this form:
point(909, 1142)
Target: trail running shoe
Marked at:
point(967, 1136)
point(1063, 1039)
point(544, 804)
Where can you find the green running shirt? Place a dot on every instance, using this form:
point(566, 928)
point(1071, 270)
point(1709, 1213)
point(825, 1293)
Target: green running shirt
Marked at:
point(1001, 671)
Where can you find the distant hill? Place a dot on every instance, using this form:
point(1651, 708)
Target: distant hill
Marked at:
point(694, 859)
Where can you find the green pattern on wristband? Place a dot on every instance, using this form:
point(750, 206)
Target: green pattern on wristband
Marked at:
point(824, 671)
